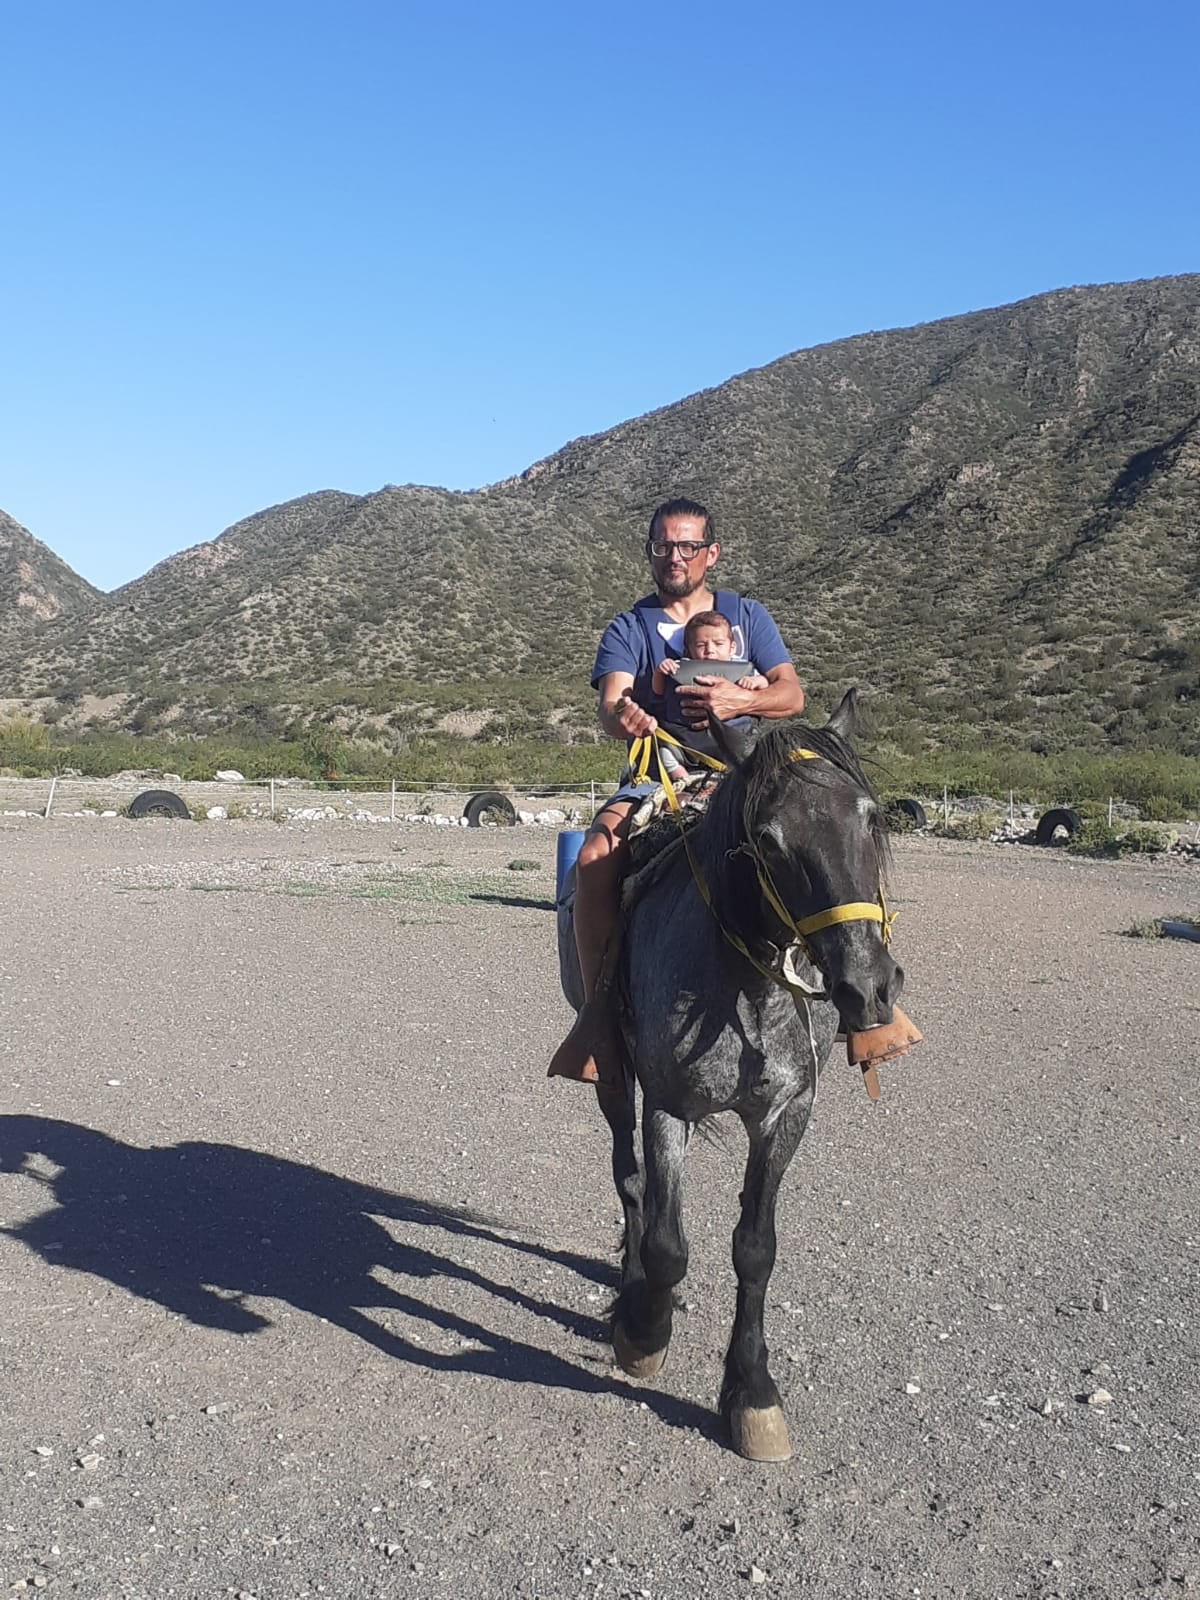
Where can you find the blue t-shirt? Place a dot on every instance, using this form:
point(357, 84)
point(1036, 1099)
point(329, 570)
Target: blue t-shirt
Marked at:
point(636, 642)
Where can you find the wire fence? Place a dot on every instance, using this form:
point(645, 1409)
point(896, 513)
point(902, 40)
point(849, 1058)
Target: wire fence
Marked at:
point(413, 800)
point(284, 799)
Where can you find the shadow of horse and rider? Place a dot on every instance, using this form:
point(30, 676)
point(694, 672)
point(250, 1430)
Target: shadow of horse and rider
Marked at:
point(204, 1229)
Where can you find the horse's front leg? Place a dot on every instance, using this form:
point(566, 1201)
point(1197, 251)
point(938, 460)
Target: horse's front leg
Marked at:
point(641, 1328)
point(618, 1103)
point(749, 1399)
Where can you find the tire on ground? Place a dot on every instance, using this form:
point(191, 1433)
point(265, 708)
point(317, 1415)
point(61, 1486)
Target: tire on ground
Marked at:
point(158, 803)
point(489, 807)
point(911, 810)
point(1051, 821)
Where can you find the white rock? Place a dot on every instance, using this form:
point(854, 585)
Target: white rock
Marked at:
point(525, 817)
point(226, 775)
point(172, 777)
point(1099, 1397)
point(552, 818)
point(216, 813)
point(108, 813)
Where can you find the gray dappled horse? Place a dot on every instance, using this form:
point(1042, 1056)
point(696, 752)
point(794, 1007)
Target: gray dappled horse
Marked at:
point(705, 1029)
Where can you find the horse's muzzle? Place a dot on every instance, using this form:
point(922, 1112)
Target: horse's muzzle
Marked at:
point(864, 995)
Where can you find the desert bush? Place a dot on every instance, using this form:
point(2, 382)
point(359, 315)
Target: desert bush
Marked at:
point(1096, 838)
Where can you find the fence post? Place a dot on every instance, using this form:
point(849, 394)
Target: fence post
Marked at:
point(946, 804)
point(393, 799)
point(1012, 820)
point(50, 796)
point(593, 797)
point(1110, 811)
point(272, 799)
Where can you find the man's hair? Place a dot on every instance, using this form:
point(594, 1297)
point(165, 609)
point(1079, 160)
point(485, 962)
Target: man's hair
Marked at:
point(705, 619)
point(682, 508)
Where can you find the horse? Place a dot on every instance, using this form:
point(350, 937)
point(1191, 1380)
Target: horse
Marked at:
point(763, 935)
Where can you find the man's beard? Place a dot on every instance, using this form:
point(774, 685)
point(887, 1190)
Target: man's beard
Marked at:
point(679, 588)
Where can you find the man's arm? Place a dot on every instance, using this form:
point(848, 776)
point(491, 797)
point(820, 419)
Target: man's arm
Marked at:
point(621, 717)
point(782, 697)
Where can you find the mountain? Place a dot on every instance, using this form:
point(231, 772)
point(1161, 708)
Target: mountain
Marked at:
point(993, 521)
point(35, 586)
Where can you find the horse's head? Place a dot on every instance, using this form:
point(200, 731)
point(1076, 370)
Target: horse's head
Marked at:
point(813, 828)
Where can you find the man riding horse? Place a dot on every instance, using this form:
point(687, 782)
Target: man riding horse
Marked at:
point(682, 549)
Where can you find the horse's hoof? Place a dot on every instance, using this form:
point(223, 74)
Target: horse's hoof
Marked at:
point(632, 1360)
point(760, 1434)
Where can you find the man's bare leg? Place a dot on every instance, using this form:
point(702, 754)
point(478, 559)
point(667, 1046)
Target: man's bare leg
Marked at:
point(587, 1053)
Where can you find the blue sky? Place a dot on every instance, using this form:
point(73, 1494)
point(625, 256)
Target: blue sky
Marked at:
point(251, 250)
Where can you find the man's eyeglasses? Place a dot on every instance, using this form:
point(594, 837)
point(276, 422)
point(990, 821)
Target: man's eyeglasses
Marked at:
point(687, 549)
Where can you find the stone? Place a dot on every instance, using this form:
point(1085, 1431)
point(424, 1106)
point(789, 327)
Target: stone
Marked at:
point(216, 813)
point(229, 775)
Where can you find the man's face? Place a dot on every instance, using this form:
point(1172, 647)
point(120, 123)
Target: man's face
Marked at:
point(711, 643)
point(675, 576)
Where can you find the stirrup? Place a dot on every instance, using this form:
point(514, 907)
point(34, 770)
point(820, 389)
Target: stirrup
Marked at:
point(589, 1053)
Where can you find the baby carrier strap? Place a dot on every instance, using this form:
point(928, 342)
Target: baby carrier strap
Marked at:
point(730, 605)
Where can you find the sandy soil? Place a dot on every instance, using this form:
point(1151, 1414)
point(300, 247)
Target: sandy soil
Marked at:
point(304, 1262)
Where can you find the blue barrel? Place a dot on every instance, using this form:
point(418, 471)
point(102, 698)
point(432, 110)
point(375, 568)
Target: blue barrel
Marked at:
point(569, 842)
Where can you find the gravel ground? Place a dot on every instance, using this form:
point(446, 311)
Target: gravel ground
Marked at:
point(304, 1262)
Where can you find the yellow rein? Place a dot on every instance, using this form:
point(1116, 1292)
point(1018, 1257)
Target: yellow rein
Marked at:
point(648, 748)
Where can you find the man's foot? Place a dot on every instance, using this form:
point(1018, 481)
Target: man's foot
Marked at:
point(590, 1053)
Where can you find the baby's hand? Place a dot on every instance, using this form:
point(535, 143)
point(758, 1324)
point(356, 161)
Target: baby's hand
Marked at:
point(669, 665)
point(752, 680)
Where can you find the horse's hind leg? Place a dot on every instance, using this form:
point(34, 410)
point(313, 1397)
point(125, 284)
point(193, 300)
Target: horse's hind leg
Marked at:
point(749, 1399)
point(641, 1328)
point(620, 1112)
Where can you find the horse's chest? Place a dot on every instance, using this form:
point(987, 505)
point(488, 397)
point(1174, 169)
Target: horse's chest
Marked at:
point(704, 1057)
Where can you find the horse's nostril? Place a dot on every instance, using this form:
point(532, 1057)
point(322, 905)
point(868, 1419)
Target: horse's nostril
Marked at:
point(891, 987)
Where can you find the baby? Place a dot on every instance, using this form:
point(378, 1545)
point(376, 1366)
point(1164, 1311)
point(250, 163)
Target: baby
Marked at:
point(708, 636)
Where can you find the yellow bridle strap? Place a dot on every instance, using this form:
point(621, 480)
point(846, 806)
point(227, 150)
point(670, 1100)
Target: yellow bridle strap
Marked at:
point(854, 911)
point(648, 748)
point(850, 911)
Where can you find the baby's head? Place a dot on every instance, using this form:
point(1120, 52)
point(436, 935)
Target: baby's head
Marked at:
point(708, 637)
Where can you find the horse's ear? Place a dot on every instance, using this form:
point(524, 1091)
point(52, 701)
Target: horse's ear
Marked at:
point(844, 718)
point(735, 744)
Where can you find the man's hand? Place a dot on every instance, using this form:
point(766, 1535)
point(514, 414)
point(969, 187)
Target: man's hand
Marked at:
point(716, 695)
point(633, 722)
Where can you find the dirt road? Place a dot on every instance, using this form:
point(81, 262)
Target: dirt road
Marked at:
point(304, 1262)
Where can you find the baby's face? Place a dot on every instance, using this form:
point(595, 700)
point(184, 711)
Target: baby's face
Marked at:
point(712, 644)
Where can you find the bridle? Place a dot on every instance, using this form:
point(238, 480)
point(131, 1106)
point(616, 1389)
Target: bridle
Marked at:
point(649, 747)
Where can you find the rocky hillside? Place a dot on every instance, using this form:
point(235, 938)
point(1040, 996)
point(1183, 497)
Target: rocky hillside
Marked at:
point(993, 521)
point(36, 587)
